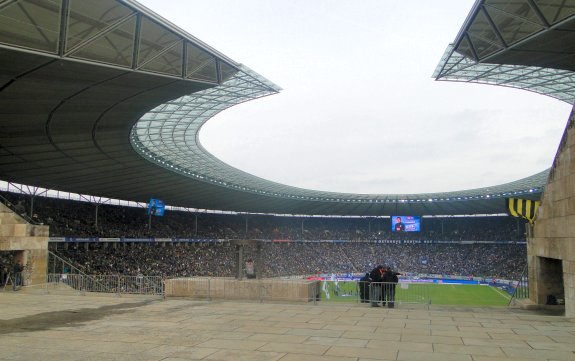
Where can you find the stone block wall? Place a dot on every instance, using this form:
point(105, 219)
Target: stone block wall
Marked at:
point(551, 249)
point(29, 241)
point(229, 288)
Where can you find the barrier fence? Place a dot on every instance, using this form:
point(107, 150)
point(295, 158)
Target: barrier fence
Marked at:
point(269, 290)
point(298, 290)
point(80, 283)
point(521, 291)
point(375, 292)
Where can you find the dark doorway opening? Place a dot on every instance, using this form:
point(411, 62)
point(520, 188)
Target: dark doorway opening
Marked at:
point(551, 289)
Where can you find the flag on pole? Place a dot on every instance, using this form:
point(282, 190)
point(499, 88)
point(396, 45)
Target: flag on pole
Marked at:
point(524, 208)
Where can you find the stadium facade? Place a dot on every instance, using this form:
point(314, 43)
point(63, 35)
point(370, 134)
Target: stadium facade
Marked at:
point(98, 94)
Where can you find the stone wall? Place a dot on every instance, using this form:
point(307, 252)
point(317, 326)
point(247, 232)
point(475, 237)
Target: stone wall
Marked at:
point(230, 288)
point(29, 241)
point(554, 230)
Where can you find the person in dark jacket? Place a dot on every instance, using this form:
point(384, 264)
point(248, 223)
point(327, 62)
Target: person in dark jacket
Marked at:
point(390, 280)
point(375, 291)
point(17, 275)
point(364, 288)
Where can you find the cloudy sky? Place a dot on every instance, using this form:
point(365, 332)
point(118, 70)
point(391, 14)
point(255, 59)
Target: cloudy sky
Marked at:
point(359, 111)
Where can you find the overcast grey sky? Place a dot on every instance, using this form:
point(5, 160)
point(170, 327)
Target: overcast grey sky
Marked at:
point(360, 112)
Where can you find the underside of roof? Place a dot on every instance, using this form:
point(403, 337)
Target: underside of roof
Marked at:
point(537, 33)
point(106, 98)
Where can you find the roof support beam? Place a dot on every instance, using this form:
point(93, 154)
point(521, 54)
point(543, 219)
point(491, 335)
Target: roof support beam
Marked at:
point(493, 27)
point(539, 13)
point(64, 20)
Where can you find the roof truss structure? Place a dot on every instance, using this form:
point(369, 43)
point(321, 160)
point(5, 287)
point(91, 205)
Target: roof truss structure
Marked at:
point(106, 98)
point(116, 33)
point(555, 83)
point(520, 32)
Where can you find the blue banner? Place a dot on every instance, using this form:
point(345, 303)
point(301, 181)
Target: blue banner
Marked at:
point(156, 207)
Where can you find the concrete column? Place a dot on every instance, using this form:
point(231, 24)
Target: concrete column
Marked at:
point(240, 261)
point(258, 263)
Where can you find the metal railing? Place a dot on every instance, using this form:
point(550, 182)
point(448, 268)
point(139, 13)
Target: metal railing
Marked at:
point(521, 290)
point(270, 290)
point(118, 285)
point(379, 293)
point(59, 264)
point(64, 276)
point(12, 207)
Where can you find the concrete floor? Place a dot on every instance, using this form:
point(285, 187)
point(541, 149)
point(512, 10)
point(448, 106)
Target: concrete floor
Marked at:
point(73, 327)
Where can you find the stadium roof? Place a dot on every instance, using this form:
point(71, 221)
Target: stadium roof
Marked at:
point(107, 98)
point(555, 83)
point(537, 33)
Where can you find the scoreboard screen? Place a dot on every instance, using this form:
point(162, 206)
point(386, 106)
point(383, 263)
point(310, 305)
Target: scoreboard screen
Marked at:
point(156, 207)
point(405, 223)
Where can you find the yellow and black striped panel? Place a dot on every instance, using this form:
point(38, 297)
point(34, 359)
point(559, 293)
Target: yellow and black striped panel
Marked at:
point(525, 208)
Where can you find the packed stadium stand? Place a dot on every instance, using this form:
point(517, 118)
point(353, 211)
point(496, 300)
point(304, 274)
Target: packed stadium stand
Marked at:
point(505, 261)
point(489, 246)
point(68, 218)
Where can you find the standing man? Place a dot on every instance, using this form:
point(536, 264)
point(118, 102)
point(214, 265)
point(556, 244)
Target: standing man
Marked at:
point(364, 288)
point(390, 278)
point(376, 276)
point(17, 277)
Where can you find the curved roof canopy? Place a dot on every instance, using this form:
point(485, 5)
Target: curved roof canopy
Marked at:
point(106, 98)
point(555, 83)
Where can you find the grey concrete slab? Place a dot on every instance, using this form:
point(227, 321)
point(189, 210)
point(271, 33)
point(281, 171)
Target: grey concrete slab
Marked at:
point(73, 327)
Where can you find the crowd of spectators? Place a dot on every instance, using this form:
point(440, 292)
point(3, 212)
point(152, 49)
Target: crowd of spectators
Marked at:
point(298, 258)
point(153, 259)
point(68, 218)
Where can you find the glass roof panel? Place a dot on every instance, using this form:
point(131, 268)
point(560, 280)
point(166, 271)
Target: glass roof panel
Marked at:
point(481, 28)
point(482, 47)
point(466, 49)
point(512, 28)
point(88, 17)
point(227, 71)
point(559, 84)
point(33, 24)
point(515, 8)
point(115, 47)
point(173, 144)
point(178, 133)
point(154, 39)
point(168, 62)
point(200, 64)
point(556, 10)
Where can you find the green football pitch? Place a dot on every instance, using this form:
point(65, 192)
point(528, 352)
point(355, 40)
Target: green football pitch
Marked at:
point(425, 293)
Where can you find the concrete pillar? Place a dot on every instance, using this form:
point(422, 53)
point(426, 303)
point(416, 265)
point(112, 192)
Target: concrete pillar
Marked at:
point(240, 261)
point(258, 262)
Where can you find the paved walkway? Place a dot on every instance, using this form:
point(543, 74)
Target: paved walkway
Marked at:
point(52, 327)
